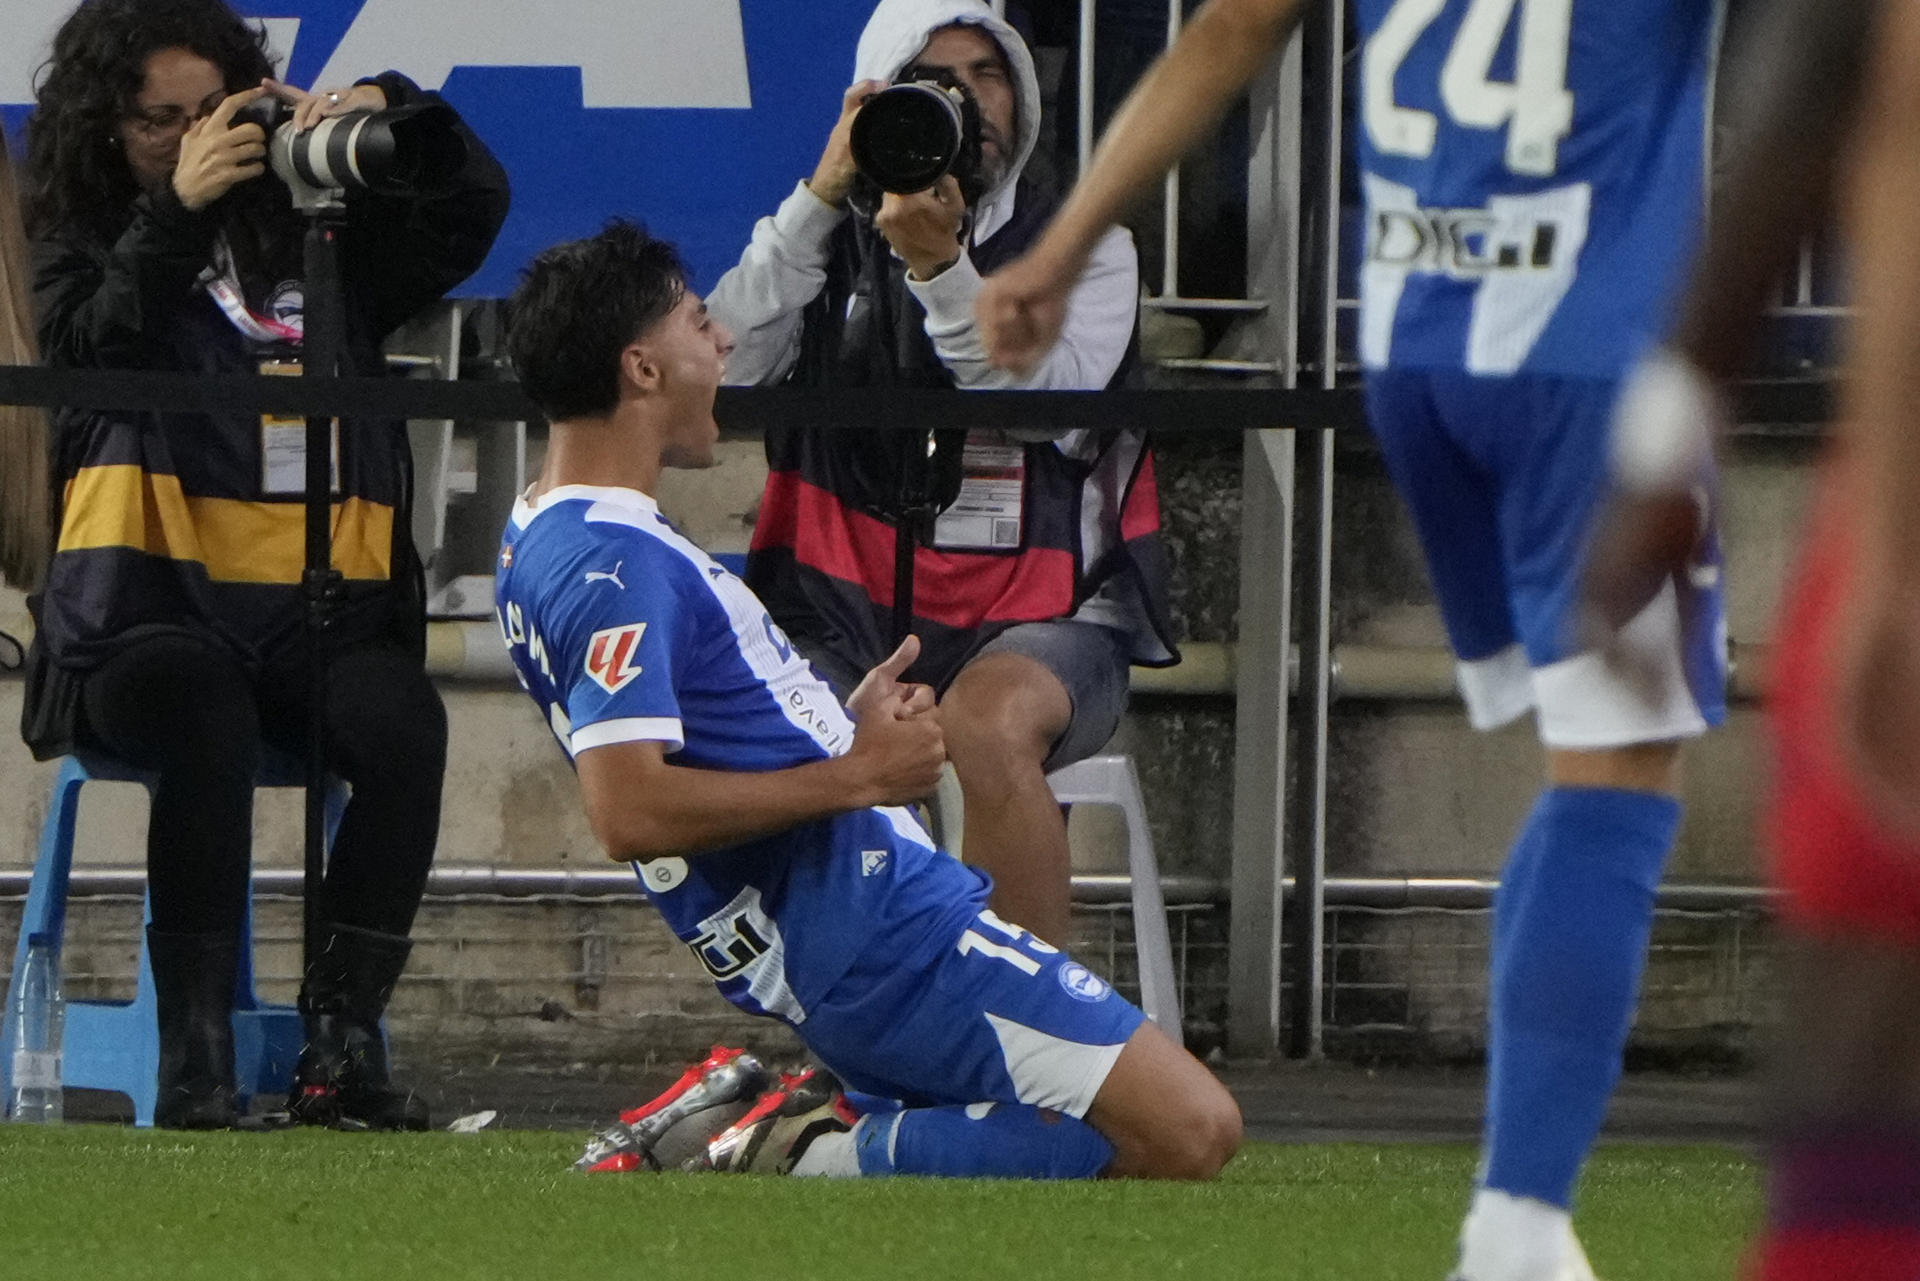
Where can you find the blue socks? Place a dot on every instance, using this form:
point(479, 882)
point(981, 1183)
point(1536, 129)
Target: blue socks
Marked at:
point(981, 1140)
point(1570, 930)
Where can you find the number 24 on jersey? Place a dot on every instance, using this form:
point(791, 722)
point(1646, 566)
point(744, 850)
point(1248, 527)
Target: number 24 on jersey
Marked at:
point(1535, 107)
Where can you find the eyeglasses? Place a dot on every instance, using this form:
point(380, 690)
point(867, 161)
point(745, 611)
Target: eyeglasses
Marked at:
point(157, 122)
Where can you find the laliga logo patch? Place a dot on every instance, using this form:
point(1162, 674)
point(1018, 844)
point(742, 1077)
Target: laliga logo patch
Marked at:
point(610, 656)
point(873, 862)
point(1082, 984)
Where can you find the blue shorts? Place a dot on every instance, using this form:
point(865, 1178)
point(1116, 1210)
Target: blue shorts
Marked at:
point(997, 1017)
point(1502, 477)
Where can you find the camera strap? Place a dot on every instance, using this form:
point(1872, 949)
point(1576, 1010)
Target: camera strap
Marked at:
point(221, 280)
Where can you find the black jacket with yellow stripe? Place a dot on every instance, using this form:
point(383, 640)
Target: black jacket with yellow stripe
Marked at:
point(166, 522)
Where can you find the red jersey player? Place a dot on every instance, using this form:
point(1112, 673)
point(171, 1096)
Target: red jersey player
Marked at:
point(1843, 824)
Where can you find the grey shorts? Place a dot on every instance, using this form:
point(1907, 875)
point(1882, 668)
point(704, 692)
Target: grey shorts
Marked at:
point(1090, 661)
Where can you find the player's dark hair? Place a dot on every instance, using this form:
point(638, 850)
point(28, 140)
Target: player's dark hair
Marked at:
point(578, 307)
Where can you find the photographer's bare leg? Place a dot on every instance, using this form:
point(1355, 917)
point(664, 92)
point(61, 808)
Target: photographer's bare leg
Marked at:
point(1002, 716)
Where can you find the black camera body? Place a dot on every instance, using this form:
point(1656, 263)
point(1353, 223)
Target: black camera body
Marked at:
point(912, 134)
point(399, 151)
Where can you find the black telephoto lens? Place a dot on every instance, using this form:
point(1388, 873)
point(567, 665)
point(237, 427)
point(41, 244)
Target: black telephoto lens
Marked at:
point(907, 138)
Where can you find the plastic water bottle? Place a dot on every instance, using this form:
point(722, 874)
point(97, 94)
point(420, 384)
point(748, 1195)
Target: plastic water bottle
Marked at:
point(34, 1026)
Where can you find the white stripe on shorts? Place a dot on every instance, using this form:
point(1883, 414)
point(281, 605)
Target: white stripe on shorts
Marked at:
point(1049, 1072)
point(1589, 701)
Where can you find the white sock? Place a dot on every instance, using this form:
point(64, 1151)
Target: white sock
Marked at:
point(1511, 1238)
point(831, 1156)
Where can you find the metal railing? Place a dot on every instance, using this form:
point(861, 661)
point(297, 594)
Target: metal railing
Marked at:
point(1404, 958)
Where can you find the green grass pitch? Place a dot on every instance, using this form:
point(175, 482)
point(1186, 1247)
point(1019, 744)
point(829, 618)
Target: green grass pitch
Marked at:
point(101, 1202)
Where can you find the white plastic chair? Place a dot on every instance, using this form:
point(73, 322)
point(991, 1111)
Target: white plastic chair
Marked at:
point(1108, 780)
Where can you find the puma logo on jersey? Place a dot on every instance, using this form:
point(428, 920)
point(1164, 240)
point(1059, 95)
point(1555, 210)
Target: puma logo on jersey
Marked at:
point(610, 656)
point(608, 575)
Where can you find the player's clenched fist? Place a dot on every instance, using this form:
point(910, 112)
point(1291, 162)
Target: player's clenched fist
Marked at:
point(896, 754)
point(1021, 309)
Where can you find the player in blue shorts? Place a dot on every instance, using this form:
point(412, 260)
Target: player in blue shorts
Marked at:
point(1532, 172)
point(764, 818)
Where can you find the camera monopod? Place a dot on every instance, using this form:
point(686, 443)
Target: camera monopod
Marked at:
point(398, 151)
point(322, 347)
point(914, 511)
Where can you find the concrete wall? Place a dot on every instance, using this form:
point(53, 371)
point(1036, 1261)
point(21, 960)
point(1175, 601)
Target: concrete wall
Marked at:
point(1413, 792)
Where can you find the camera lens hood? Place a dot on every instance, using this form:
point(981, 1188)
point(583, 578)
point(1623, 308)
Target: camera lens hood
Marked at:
point(906, 138)
point(400, 151)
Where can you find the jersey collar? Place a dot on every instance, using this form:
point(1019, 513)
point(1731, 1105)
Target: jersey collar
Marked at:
point(525, 508)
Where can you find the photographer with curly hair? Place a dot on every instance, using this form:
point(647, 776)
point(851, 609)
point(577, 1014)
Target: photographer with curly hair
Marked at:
point(171, 626)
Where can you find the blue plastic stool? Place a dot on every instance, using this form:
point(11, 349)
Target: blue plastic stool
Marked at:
point(115, 1045)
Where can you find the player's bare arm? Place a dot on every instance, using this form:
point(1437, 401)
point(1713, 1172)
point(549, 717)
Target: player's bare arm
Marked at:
point(642, 807)
point(1876, 668)
point(1796, 86)
point(1177, 104)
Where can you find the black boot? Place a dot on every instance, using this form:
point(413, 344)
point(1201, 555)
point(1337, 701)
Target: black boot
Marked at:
point(342, 1079)
point(193, 978)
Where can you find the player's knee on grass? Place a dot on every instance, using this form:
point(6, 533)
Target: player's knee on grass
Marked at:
point(1166, 1115)
point(1199, 1143)
point(1194, 1141)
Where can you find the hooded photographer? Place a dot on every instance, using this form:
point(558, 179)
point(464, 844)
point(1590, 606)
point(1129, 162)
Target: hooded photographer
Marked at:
point(1045, 576)
point(171, 630)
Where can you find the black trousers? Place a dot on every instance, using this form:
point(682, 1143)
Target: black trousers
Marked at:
point(190, 712)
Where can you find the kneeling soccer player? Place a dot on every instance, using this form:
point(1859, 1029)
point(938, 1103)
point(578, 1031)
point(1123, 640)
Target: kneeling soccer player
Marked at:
point(763, 814)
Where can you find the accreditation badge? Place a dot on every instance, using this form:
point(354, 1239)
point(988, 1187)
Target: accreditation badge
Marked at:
point(283, 444)
point(987, 516)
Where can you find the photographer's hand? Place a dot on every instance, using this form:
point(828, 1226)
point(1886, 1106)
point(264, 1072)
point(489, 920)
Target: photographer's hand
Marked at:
point(833, 176)
point(924, 228)
point(309, 109)
point(216, 156)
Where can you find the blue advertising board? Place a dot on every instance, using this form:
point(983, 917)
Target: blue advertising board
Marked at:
point(694, 116)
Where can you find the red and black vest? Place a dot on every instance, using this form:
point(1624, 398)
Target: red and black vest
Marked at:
point(823, 546)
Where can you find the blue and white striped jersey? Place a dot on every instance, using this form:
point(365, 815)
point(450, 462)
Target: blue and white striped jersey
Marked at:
point(1533, 178)
point(624, 631)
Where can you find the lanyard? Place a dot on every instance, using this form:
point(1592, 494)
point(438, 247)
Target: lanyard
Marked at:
point(222, 282)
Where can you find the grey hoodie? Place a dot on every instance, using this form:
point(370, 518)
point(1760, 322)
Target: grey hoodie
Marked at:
point(763, 298)
point(894, 36)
